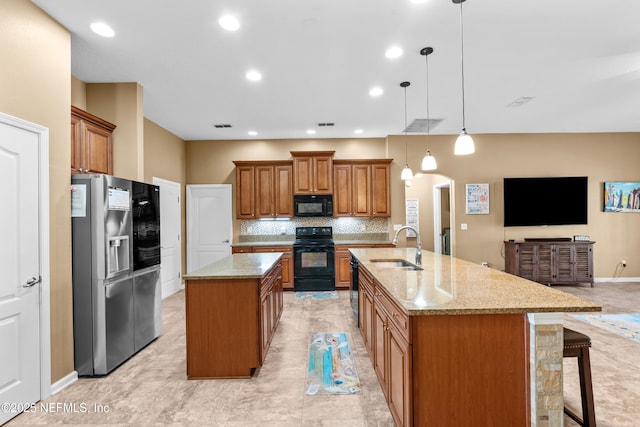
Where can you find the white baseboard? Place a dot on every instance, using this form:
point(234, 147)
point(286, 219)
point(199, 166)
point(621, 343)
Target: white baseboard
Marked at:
point(616, 279)
point(64, 382)
point(168, 290)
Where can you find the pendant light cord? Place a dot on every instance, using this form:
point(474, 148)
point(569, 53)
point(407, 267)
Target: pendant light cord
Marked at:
point(426, 60)
point(462, 63)
point(406, 155)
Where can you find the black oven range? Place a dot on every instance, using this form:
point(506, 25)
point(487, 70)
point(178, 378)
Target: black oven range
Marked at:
point(314, 259)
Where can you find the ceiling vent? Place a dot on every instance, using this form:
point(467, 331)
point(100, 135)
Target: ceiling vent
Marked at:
point(420, 125)
point(222, 125)
point(326, 124)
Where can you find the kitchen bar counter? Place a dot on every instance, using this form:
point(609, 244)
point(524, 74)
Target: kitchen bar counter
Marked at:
point(457, 343)
point(237, 266)
point(233, 307)
point(448, 285)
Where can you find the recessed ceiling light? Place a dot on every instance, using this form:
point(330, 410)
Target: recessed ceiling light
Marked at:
point(229, 23)
point(394, 52)
point(376, 91)
point(252, 133)
point(253, 75)
point(311, 132)
point(102, 29)
point(358, 131)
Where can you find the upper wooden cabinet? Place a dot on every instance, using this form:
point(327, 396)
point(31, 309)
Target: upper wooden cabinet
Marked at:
point(361, 188)
point(312, 172)
point(264, 189)
point(91, 143)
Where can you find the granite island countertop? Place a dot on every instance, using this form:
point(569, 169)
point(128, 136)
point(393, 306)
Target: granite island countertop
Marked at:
point(237, 266)
point(452, 286)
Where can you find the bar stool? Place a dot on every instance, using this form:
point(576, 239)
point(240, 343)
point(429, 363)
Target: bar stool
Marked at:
point(577, 345)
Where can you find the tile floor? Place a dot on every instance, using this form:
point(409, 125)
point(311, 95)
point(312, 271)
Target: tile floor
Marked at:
point(151, 388)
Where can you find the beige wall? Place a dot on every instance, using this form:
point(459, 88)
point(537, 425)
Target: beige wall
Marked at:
point(122, 104)
point(35, 85)
point(165, 158)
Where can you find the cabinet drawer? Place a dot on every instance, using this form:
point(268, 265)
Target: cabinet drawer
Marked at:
point(397, 316)
point(285, 249)
point(241, 250)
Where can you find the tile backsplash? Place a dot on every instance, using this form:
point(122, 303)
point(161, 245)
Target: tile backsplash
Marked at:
point(340, 226)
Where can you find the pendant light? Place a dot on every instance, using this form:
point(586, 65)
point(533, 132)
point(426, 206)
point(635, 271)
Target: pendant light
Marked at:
point(406, 172)
point(464, 143)
point(428, 161)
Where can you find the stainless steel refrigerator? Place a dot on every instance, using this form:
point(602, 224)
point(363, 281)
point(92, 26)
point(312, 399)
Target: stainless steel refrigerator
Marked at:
point(116, 310)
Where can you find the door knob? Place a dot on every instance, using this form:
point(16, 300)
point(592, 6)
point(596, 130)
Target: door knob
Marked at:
point(32, 281)
point(225, 241)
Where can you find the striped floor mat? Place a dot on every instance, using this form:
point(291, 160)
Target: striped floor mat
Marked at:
point(316, 295)
point(331, 369)
point(627, 325)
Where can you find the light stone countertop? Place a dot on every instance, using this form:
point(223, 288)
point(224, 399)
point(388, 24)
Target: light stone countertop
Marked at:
point(237, 266)
point(450, 286)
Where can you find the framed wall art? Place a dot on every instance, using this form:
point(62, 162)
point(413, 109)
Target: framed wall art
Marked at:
point(477, 197)
point(621, 196)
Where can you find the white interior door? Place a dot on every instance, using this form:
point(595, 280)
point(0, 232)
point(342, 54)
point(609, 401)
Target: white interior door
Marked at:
point(22, 268)
point(170, 236)
point(208, 224)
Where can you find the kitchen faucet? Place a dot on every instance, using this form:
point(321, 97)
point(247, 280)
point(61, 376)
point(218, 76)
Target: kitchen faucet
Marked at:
point(418, 244)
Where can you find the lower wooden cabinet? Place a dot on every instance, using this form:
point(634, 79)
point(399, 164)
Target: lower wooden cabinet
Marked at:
point(230, 323)
point(287, 260)
point(551, 262)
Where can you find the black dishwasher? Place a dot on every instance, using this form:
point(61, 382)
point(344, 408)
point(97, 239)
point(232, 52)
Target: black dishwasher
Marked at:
point(353, 296)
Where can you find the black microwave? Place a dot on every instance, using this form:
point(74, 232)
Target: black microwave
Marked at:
point(305, 205)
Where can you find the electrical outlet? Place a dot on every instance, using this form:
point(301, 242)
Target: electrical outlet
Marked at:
point(623, 262)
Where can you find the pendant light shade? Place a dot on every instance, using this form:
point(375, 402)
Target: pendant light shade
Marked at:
point(464, 144)
point(428, 161)
point(406, 173)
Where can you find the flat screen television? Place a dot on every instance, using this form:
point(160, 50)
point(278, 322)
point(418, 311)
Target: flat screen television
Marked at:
point(545, 201)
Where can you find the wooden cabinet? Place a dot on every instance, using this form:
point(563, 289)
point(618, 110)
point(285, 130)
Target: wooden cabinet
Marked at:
point(312, 172)
point(286, 260)
point(271, 304)
point(264, 189)
point(551, 262)
point(91, 143)
point(365, 309)
point(230, 323)
point(392, 356)
point(361, 188)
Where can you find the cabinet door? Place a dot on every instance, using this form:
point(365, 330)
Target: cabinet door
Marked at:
point(97, 149)
point(342, 194)
point(303, 174)
point(245, 181)
point(77, 162)
point(380, 191)
point(343, 268)
point(379, 346)
point(583, 261)
point(264, 192)
point(526, 261)
point(366, 322)
point(544, 265)
point(323, 174)
point(287, 271)
point(399, 378)
point(361, 184)
point(283, 191)
point(265, 324)
point(564, 263)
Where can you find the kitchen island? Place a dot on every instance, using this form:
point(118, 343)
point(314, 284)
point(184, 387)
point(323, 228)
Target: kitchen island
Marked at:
point(456, 343)
point(232, 310)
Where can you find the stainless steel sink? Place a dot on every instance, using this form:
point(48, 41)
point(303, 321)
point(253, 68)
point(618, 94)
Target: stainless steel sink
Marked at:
point(396, 263)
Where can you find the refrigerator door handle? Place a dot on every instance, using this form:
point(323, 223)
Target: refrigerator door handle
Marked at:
point(32, 281)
